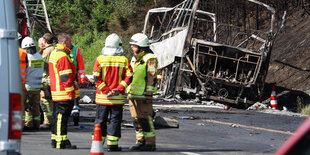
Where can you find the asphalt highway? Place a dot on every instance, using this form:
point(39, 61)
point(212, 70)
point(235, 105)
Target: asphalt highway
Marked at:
point(202, 130)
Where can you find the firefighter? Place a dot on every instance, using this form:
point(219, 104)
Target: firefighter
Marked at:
point(112, 73)
point(46, 47)
point(63, 88)
point(34, 74)
point(141, 91)
point(77, 59)
point(23, 67)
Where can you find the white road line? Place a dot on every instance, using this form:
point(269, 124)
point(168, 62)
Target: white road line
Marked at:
point(249, 127)
point(190, 153)
point(187, 106)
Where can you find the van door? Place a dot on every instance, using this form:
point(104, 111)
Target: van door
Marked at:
point(10, 82)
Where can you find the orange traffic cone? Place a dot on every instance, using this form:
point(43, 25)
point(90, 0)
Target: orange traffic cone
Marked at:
point(273, 99)
point(96, 146)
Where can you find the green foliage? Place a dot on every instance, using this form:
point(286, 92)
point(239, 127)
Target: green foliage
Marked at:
point(90, 44)
point(88, 22)
point(79, 15)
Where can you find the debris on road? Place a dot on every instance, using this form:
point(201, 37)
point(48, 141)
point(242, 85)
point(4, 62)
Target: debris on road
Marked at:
point(166, 122)
point(258, 106)
point(159, 122)
point(86, 99)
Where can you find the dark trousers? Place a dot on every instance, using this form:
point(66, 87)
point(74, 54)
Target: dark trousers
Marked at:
point(116, 115)
point(61, 113)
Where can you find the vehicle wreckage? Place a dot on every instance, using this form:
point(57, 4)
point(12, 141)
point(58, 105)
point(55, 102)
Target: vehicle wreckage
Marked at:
point(206, 52)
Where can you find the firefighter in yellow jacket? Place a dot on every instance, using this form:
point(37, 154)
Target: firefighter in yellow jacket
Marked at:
point(112, 73)
point(140, 92)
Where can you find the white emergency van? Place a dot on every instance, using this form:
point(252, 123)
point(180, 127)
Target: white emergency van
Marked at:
point(10, 82)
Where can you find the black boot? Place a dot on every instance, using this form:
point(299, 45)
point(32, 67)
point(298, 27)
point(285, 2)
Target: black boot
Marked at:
point(137, 146)
point(67, 145)
point(113, 148)
point(148, 148)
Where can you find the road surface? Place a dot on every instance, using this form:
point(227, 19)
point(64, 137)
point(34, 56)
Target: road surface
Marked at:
point(210, 131)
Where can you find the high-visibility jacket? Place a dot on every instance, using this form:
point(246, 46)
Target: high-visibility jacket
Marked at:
point(111, 72)
point(62, 75)
point(23, 64)
point(144, 79)
point(77, 59)
point(34, 72)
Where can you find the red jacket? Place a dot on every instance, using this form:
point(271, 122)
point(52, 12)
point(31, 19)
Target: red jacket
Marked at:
point(62, 75)
point(111, 72)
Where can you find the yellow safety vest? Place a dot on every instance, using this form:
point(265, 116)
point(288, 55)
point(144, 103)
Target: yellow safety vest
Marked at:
point(138, 84)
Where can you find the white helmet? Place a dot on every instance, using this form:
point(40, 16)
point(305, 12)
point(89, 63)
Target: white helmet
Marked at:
point(112, 45)
point(113, 41)
point(140, 40)
point(27, 42)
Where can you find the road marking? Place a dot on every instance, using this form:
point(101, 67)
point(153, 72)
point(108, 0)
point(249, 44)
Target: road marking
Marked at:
point(190, 153)
point(188, 106)
point(250, 127)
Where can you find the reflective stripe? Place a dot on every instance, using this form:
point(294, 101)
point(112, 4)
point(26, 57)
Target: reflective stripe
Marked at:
point(58, 131)
point(112, 97)
point(28, 118)
point(101, 85)
point(139, 133)
point(138, 87)
point(149, 134)
point(59, 119)
point(109, 137)
point(59, 98)
point(48, 113)
point(69, 89)
point(103, 99)
point(137, 91)
point(136, 96)
point(59, 137)
point(60, 95)
point(123, 83)
point(112, 65)
point(109, 142)
point(150, 88)
point(109, 102)
point(68, 71)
